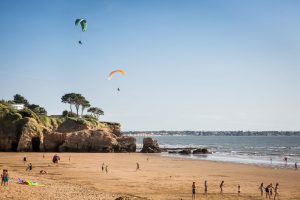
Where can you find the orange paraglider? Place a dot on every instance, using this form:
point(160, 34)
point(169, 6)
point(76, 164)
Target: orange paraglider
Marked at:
point(114, 72)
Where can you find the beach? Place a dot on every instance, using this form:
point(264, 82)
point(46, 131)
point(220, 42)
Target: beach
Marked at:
point(158, 178)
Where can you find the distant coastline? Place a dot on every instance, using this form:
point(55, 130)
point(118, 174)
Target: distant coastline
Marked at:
point(212, 133)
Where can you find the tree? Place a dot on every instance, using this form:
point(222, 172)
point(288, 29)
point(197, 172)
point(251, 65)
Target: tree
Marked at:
point(85, 104)
point(77, 100)
point(37, 109)
point(68, 98)
point(20, 99)
point(96, 112)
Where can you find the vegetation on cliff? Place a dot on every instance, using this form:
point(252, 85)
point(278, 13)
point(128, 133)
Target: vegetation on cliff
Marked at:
point(30, 129)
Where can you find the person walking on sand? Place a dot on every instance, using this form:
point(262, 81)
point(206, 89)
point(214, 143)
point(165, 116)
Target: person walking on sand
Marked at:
point(24, 160)
point(106, 168)
point(102, 167)
point(221, 187)
point(285, 160)
point(69, 158)
point(239, 190)
point(276, 191)
point(268, 191)
point(137, 166)
point(205, 187)
point(296, 167)
point(261, 188)
point(29, 168)
point(193, 191)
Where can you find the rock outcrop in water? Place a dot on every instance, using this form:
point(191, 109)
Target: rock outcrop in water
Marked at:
point(41, 133)
point(150, 146)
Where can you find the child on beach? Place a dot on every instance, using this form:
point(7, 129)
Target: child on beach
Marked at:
point(193, 191)
point(5, 178)
point(29, 168)
point(106, 168)
point(205, 187)
point(261, 188)
point(239, 190)
point(137, 166)
point(221, 187)
point(24, 160)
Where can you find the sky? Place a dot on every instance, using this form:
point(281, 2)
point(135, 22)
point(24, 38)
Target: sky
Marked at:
point(191, 65)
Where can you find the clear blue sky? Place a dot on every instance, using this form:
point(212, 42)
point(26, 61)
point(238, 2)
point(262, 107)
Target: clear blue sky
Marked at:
point(191, 65)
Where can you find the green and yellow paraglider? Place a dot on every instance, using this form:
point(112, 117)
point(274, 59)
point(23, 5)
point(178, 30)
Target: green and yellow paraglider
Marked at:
point(83, 24)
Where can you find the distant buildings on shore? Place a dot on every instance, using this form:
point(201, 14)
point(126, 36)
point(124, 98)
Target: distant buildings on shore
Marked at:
point(212, 133)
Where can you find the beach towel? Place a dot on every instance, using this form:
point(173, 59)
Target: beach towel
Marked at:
point(29, 182)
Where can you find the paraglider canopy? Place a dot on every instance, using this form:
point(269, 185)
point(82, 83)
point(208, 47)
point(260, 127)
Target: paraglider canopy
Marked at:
point(82, 22)
point(114, 72)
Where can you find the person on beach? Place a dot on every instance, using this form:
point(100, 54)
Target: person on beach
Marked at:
point(261, 188)
point(276, 191)
point(106, 168)
point(285, 160)
point(137, 166)
point(239, 190)
point(69, 158)
point(43, 155)
point(193, 191)
point(296, 167)
point(271, 190)
point(268, 191)
point(2, 177)
point(221, 187)
point(102, 167)
point(205, 187)
point(29, 168)
point(271, 160)
point(43, 172)
point(24, 160)
point(5, 178)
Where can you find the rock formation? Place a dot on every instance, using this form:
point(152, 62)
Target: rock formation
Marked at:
point(35, 133)
point(150, 146)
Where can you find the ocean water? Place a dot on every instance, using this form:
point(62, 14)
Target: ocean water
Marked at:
point(258, 150)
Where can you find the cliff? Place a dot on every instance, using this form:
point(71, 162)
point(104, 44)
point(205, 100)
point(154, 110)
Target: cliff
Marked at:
point(26, 131)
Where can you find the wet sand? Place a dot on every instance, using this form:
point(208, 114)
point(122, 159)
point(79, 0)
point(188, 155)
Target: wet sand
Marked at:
point(158, 178)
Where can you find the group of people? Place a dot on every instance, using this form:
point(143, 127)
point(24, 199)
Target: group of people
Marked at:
point(104, 167)
point(206, 189)
point(4, 177)
point(269, 190)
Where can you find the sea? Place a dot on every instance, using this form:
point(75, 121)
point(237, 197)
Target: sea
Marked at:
point(257, 150)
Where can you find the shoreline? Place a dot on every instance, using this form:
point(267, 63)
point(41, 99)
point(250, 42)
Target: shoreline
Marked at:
point(159, 178)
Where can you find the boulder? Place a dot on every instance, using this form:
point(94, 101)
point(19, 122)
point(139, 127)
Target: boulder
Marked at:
point(201, 151)
point(126, 144)
point(185, 151)
point(89, 141)
point(150, 146)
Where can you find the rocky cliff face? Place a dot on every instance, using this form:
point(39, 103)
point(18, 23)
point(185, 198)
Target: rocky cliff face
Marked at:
point(31, 134)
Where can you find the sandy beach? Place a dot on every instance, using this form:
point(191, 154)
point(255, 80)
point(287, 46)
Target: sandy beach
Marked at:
point(158, 177)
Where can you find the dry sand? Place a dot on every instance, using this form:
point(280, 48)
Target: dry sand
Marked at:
point(159, 177)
